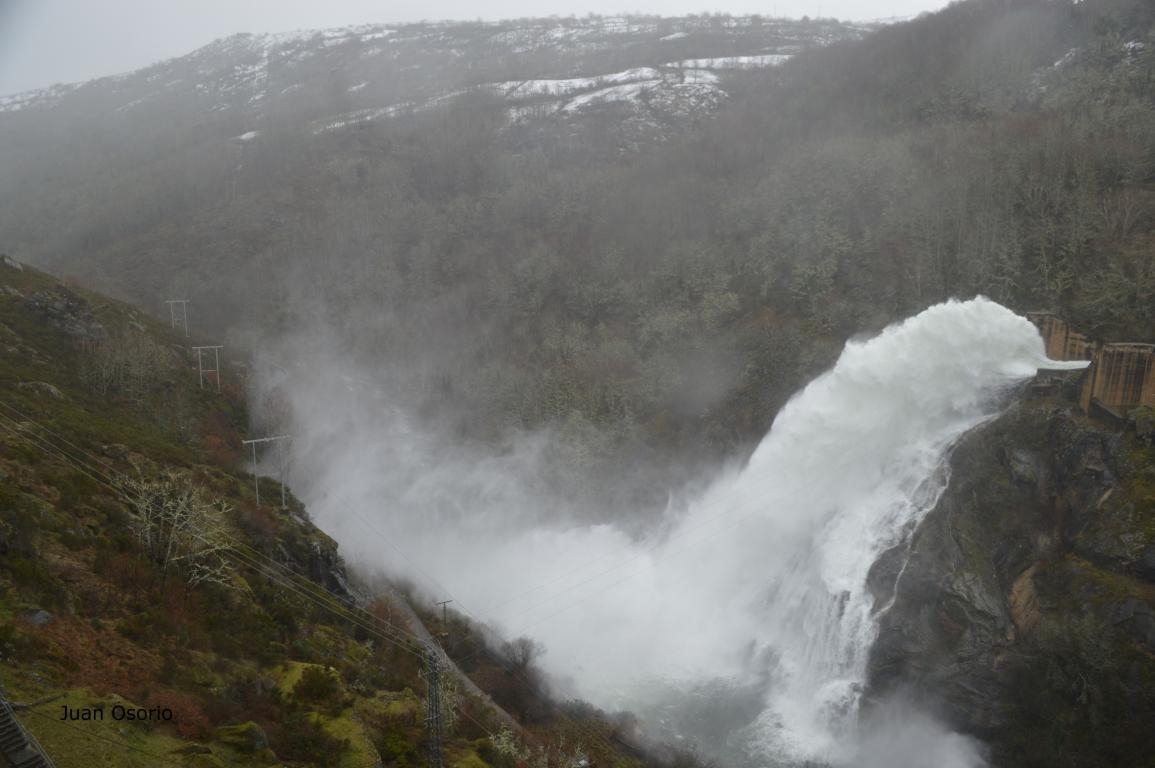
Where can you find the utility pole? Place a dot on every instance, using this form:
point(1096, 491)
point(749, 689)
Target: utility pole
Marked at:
point(183, 313)
point(215, 370)
point(444, 620)
point(256, 478)
point(444, 612)
point(433, 705)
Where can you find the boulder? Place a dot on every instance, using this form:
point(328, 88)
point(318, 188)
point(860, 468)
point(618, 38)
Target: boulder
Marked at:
point(245, 737)
point(37, 617)
point(42, 388)
point(67, 312)
point(1145, 564)
point(1138, 619)
point(1143, 420)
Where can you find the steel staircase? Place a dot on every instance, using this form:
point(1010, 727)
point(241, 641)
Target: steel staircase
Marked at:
point(17, 746)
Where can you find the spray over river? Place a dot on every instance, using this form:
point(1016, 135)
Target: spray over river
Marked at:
point(754, 592)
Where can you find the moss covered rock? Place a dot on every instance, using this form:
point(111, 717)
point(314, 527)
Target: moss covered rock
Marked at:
point(247, 737)
point(1022, 615)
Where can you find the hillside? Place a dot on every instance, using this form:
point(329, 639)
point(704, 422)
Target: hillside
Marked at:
point(595, 325)
point(551, 274)
point(187, 136)
point(138, 573)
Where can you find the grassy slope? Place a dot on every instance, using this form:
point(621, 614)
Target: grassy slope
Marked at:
point(219, 657)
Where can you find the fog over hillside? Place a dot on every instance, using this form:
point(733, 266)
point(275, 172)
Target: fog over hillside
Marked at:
point(693, 349)
point(58, 41)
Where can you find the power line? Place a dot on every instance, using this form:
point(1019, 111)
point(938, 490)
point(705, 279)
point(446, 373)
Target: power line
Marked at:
point(404, 641)
point(246, 555)
point(302, 587)
point(516, 675)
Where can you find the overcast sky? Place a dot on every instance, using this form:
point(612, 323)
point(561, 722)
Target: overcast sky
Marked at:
point(51, 41)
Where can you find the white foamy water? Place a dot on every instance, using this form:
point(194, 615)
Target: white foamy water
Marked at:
point(760, 581)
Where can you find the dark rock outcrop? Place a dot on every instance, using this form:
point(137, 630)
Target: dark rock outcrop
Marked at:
point(42, 388)
point(1024, 614)
point(67, 312)
point(37, 617)
point(245, 737)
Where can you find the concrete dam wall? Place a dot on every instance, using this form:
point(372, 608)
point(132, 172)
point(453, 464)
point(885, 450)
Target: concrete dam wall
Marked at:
point(1062, 341)
point(1121, 375)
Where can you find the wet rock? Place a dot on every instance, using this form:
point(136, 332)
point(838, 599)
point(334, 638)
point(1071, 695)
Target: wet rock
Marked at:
point(1144, 566)
point(1143, 421)
point(316, 555)
point(263, 686)
point(883, 575)
point(1020, 616)
point(1024, 601)
point(1024, 467)
point(42, 388)
point(67, 312)
point(1138, 619)
point(115, 451)
point(246, 737)
point(37, 617)
point(944, 630)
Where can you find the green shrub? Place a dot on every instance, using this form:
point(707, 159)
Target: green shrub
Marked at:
point(318, 687)
point(397, 747)
point(301, 738)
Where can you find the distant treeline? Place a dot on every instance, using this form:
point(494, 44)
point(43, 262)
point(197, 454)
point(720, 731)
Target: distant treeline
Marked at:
point(671, 295)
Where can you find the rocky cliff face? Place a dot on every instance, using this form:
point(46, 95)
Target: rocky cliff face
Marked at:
point(1024, 614)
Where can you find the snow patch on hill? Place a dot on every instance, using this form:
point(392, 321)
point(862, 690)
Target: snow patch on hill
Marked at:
point(44, 97)
point(397, 69)
point(734, 62)
point(531, 88)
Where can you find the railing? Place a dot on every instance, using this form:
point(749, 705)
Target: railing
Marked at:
point(30, 741)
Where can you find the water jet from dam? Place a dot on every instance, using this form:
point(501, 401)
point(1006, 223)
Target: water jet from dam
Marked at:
point(757, 585)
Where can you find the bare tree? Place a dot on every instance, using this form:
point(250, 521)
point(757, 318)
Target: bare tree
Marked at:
point(559, 754)
point(180, 531)
point(521, 652)
point(127, 364)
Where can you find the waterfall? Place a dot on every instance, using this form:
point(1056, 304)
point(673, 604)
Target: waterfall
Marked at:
point(758, 585)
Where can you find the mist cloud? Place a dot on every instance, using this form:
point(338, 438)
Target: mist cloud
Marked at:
point(43, 42)
point(753, 588)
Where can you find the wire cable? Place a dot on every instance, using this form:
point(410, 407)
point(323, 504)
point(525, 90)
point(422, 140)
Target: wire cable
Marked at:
point(257, 559)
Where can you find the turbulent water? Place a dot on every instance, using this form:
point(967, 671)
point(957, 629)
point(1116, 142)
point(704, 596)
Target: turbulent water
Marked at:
point(749, 607)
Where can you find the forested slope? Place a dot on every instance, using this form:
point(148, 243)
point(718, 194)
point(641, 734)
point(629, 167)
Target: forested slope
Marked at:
point(643, 295)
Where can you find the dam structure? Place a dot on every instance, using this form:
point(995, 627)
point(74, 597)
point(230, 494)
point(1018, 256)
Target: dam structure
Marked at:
point(1121, 376)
